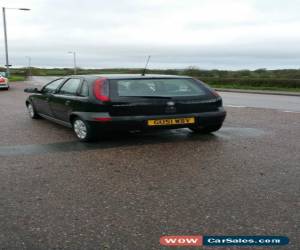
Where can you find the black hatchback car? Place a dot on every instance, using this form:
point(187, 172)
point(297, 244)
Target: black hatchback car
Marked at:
point(96, 104)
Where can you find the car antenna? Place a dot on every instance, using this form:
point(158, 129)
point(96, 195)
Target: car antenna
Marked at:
point(144, 70)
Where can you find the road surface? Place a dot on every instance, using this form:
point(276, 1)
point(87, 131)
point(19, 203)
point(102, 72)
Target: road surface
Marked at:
point(280, 102)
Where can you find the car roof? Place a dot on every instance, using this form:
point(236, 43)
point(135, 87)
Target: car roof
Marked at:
point(127, 76)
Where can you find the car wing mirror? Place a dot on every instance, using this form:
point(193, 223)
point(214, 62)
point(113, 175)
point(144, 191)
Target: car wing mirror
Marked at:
point(32, 90)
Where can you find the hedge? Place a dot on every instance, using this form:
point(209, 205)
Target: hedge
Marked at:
point(257, 82)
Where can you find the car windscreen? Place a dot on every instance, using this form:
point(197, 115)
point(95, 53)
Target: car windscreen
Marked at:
point(167, 87)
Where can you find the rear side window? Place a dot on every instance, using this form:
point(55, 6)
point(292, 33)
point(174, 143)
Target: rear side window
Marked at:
point(70, 87)
point(159, 87)
point(51, 87)
point(84, 91)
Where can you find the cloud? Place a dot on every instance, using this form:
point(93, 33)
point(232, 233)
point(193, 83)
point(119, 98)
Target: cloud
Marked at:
point(209, 34)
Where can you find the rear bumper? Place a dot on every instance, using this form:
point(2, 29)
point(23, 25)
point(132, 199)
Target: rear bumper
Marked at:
point(4, 86)
point(140, 122)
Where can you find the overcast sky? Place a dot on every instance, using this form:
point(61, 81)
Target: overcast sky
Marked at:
point(209, 34)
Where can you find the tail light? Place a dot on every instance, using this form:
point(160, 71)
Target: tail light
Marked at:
point(219, 101)
point(101, 90)
point(215, 93)
point(2, 80)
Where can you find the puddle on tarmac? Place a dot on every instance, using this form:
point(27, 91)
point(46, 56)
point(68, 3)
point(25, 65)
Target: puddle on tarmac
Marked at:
point(231, 132)
point(132, 139)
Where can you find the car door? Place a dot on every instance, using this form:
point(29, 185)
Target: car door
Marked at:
point(65, 99)
point(42, 101)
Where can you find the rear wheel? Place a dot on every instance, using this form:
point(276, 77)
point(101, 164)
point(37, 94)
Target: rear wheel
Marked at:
point(206, 130)
point(31, 111)
point(83, 130)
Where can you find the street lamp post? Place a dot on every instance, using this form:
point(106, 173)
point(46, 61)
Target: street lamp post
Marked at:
point(7, 65)
point(5, 43)
point(29, 66)
point(74, 61)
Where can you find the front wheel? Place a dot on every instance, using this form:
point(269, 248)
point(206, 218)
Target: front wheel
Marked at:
point(82, 130)
point(31, 111)
point(206, 130)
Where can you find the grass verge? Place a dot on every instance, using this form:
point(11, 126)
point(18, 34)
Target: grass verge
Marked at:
point(16, 78)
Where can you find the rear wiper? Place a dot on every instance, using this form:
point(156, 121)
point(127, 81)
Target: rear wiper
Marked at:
point(149, 96)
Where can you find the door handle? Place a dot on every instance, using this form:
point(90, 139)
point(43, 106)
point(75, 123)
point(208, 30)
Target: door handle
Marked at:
point(67, 103)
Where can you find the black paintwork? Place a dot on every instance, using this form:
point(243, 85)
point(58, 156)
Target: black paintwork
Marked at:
point(125, 112)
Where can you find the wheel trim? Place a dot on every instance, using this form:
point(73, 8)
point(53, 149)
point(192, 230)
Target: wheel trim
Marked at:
point(30, 110)
point(80, 129)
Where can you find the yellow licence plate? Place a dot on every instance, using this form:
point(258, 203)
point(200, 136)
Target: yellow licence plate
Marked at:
point(176, 121)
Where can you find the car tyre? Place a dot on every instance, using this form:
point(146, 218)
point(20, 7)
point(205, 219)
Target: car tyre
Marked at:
point(207, 129)
point(83, 130)
point(32, 112)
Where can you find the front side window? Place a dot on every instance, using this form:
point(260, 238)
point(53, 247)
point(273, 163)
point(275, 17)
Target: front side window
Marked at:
point(70, 87)
point(159, 87)
point(51, 87)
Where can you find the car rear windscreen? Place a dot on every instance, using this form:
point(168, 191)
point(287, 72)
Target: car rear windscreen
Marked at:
point(160, 87)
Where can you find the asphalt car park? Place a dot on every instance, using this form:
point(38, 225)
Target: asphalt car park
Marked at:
point(128, 189)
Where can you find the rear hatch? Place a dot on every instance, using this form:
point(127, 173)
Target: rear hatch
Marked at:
point(160, 96)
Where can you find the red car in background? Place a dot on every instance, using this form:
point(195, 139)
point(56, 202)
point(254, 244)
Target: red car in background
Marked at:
point(4, 83)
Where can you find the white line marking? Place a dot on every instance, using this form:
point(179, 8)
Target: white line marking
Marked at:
point(235, 106)
point(289, 111)
point(286, 111)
